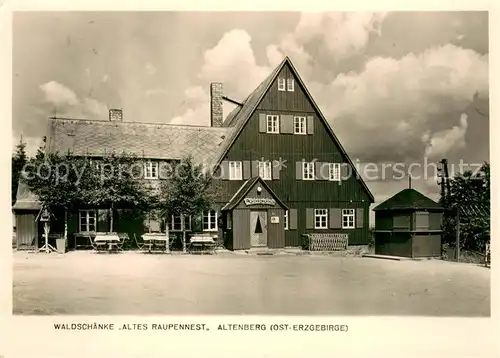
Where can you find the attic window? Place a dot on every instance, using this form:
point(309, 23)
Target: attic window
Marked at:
point(290, 84)
point(281, 84)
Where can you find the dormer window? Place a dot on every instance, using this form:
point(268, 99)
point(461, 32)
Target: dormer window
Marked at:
point(281, 84)
point(290, 84)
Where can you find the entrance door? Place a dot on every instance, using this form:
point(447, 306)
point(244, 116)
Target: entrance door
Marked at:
point(258, 228)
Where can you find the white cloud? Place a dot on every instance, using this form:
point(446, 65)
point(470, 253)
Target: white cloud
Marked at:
point(442, 143)
point(343, 33)
point(232, 60)
point(58, 94)
point(387, 109)
point(67, 102)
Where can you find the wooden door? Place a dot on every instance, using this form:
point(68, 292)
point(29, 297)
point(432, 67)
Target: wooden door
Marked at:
point(26, 233)
point(258, 228)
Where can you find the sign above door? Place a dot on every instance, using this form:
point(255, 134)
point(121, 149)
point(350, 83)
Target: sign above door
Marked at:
point(259, 201)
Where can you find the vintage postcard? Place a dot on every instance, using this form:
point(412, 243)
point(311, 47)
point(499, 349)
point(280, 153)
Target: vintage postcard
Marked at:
point(186, 178)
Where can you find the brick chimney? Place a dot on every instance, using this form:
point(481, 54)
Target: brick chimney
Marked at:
point(116, 115)
point(216, 108)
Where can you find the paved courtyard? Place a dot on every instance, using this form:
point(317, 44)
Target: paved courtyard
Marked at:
point(132, 283)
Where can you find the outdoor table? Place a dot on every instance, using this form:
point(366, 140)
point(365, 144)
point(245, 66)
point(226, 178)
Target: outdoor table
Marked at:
point(155, 240)
point(107, 238)
point(202, 242)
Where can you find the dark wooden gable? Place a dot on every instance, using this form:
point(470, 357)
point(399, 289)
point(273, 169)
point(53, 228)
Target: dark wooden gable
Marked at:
point(248, 196)
point(248, 142)
point(297, 100)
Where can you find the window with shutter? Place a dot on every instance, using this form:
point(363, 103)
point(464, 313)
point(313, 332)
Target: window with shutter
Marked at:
point(320, 218)
point(272, 124)
point(308, 171)
point(235, 171)
point(348, 219)
point(299, 125)
point(265, 170)
point(334, 171)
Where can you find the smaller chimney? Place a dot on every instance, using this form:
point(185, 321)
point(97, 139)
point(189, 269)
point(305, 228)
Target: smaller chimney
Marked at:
point(216, 107)
point(116, 115)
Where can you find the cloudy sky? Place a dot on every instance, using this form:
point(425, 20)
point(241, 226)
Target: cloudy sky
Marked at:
point(407, 87)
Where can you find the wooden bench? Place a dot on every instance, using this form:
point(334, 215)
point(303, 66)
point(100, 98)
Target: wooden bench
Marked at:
point(201, 244)
point(326, 242)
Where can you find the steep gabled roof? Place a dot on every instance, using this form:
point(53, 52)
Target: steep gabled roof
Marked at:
point(26, 199)
point(239, 114)
point(239, 117)
point(408, 199)
point(148, 140)
point(245, 188)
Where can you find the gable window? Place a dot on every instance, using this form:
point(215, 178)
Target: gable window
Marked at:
point(334, 171)
point(290, 84)
point(210, 220)
point(151, 170)
point(308, 171)
point(272, 123)
point(265, 170)
point(176, 223)
point(299, 125)
point(285, 219)
point(281, 84)
point(347, 218)
point(87, 220)
point(320, 218)
point(235, 171)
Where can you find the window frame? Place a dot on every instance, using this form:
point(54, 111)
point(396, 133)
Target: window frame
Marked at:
point(303, 125)
point(281, 84)
point(290, 84)
point(323, 216)
point(349, 214)
point(87, 217)
point(274, 119)
point(309, 165)
point(333, 170)
point(266, 165)
point(211, 221)
point(285, 220)
point(148, 170)
point(235, 170)
point(187, 223)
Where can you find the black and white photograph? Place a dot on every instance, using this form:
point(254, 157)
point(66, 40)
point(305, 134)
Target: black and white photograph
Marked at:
point(256, 163)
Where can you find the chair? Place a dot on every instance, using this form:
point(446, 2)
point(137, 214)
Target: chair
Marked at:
point(124, 243)
point(139, 246)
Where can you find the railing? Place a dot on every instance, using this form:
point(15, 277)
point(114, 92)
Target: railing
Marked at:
point(326, 242)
